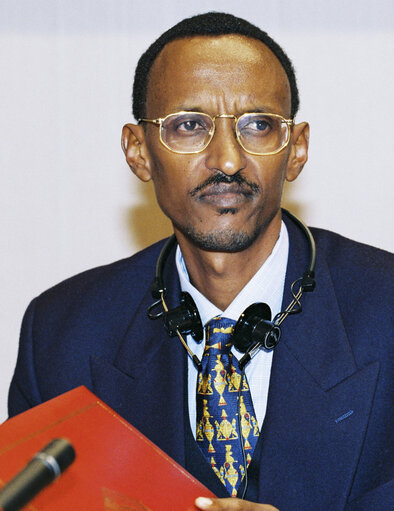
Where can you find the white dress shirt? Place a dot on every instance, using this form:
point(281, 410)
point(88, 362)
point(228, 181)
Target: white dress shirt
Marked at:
point(265, 286)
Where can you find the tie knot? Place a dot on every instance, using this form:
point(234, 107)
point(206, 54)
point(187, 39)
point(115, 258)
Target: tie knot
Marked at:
point(218, 333)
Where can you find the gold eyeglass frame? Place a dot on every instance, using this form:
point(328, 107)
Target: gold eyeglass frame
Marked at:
point(159, 122)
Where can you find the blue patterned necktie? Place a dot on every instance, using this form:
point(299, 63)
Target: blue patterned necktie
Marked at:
point(219, 432)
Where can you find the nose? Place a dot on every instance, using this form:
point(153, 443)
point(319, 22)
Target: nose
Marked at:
point(224, 153)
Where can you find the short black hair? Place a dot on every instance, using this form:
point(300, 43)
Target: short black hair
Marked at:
point(208, 24)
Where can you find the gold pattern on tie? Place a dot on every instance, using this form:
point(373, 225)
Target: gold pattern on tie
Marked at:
point(226, 439)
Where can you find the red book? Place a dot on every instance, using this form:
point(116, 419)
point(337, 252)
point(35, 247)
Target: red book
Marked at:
point(116, 467)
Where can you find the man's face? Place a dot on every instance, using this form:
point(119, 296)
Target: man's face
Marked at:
point(223, 198)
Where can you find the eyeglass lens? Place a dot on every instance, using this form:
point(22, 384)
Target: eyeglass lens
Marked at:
point(192, 132)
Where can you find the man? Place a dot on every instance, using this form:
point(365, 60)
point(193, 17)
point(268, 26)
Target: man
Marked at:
point(215, 98)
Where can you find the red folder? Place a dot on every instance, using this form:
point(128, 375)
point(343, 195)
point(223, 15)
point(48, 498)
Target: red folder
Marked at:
point(116, 467)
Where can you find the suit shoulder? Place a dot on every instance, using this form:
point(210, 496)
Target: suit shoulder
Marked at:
point(352, 258)
point(111, 285)
point(140, 265)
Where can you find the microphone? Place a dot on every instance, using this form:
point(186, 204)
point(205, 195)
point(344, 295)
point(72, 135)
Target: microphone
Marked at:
point(44, 468)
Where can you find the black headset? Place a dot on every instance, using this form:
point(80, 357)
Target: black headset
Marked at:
point(254, 328)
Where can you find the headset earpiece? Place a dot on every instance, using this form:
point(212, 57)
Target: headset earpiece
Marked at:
point(185, 318)
point(254, 326)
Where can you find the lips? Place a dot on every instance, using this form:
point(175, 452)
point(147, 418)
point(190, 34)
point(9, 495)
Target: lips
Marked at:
point(224, 189)
point(224, 194)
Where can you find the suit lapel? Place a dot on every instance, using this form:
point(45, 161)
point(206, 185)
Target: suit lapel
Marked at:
point(318, 403)
point(141, 384)
point(316, 336)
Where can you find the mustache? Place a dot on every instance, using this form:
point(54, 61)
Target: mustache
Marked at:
point(216, 179)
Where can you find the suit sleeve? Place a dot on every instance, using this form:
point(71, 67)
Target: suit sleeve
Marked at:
point(24, 392)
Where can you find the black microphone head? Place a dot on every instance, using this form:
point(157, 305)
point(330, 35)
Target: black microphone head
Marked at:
point(62, 450)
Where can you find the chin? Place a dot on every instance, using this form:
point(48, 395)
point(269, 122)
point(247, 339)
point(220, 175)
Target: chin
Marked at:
point(223, 240)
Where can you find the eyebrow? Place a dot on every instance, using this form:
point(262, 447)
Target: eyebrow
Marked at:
point(258, 109)
point(183, 108)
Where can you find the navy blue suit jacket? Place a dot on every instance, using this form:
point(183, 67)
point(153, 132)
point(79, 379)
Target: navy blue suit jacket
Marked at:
point(327, 438)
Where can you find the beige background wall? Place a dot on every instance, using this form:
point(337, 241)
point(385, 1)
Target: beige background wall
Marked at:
point(68, 201)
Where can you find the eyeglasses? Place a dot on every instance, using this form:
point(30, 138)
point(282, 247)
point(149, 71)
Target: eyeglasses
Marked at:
point(191, 132)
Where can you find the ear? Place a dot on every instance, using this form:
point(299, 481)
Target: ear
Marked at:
point(299, 150)
point(134, 148)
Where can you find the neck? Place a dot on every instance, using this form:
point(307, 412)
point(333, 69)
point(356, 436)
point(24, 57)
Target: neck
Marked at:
point(220, 276)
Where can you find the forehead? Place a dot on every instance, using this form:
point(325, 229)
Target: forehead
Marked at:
point(221, 74)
